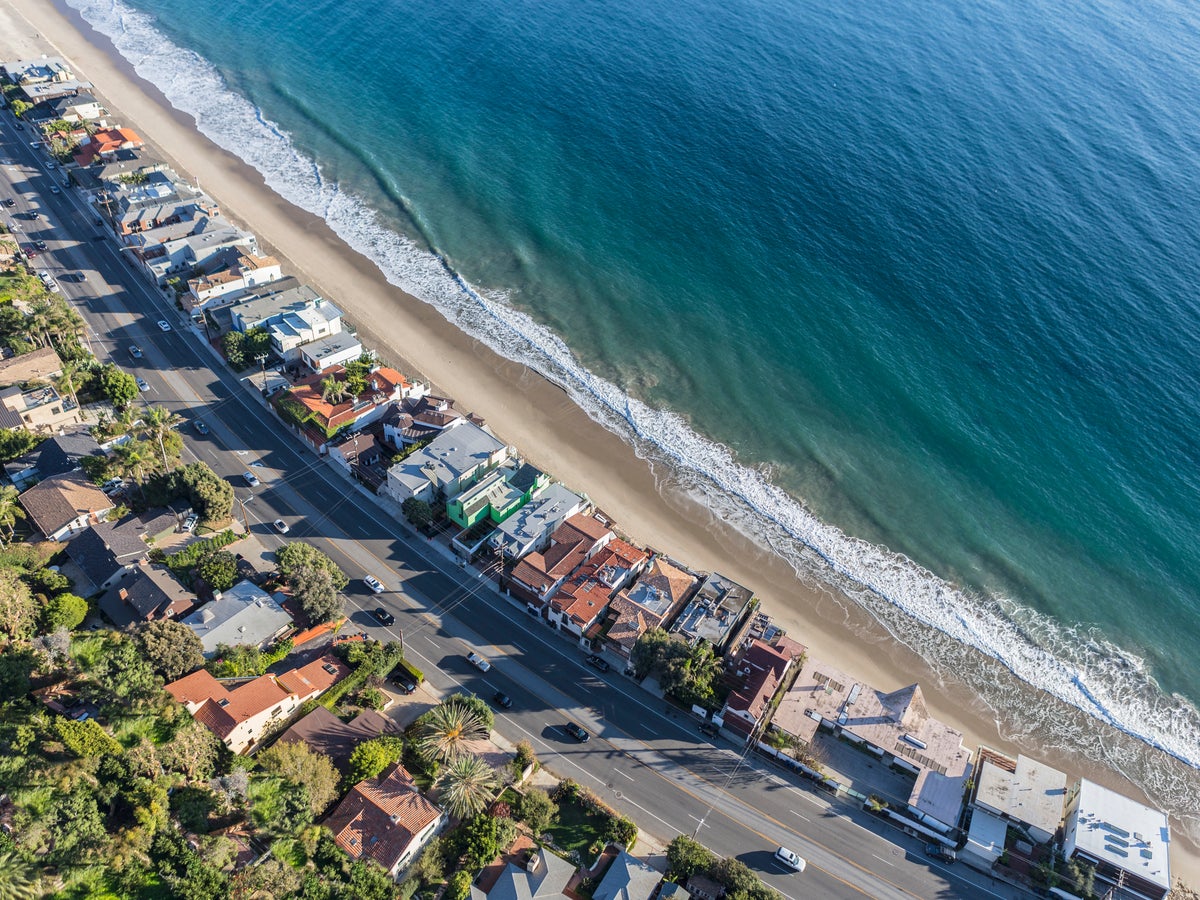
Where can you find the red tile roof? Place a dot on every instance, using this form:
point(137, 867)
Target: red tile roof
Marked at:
point(379, 818)
point(767, 665)
point(221, 709)
point(315, 678)
point(107, 141)
point(307, 392)
point(570, 545)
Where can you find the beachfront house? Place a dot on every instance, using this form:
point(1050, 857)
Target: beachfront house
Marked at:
point(234, 275)
point(497, 495)
point(761, 669)
point(81, 107)
point(105, 144)
point(207, 243)
point(580, 604)
point(152, 196)
point(1126, 841)
point(446, 466)
point(419, 420)
point(292, 318)
point(538, 575)
point(1021, 794)
point(531, 526)
point(321, 406)
point(714, 612)
point(660, 592)
point(45, 70)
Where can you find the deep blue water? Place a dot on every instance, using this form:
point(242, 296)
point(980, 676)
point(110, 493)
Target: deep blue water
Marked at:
point(928, 267)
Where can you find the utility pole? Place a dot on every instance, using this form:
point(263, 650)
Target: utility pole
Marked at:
point(261, 359)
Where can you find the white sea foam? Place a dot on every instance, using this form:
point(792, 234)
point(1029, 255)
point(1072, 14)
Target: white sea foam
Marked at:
point(1077, 667)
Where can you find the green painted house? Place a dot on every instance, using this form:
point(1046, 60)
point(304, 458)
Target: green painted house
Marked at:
point(499, 494)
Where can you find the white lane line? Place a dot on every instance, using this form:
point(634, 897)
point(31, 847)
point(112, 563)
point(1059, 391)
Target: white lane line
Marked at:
point(517, 646)
point(882, 860)
point(805, 818)
point(703, 824)
point(623, 775)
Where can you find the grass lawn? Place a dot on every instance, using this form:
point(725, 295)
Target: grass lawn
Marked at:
point(577, 829)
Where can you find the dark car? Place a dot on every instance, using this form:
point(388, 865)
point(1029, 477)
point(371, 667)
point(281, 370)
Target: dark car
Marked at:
point(576, 732)
point(938, 851)
point(200, 427)
point(597, 663)
point(41, 245)
point(709, 729)
point(384, 617)
point(502, 700)
point(403, 681)
point(10, 202)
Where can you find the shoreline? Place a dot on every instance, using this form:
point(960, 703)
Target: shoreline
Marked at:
point(528, 409)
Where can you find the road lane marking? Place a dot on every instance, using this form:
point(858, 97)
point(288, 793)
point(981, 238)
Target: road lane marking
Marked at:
point(882, 860)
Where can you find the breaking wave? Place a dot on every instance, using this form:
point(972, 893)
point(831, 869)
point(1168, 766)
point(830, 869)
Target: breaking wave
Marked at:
point(963, 635)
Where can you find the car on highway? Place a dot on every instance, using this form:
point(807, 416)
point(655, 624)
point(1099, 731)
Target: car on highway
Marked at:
point(33, 214)
point(502, 700)
point(478, 661)
point(281, 526)
point(373, 583)
point(403, 681)
point(577, 732)
point(787, 858)
point(29, 250)
point(10, 202)
point(200, 427)
point(709, 729)
point(940, 851)
point(597, 663)
point(164, 325)
point(81, 276)
point(384, 617)
point(135, 351)
point(41, 245)
point(251, 479)
point(143, 385)
point(54, 189)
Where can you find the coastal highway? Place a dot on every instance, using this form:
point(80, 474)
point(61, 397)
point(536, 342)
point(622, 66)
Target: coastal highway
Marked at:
point(651, 765)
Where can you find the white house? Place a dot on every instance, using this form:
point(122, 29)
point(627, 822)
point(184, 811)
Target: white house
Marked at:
point(448, 464)
point(244, 614)
point(1127, 842)
point(292, 317)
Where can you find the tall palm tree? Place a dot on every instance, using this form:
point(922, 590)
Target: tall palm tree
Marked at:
point(131, 456)
point(157, 422)
point(329, 387)
point(467, 786)
point(18, 879)
point(447, 728)
point(9, 510)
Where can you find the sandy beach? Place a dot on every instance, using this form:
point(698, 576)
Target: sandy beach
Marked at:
point(519, 405)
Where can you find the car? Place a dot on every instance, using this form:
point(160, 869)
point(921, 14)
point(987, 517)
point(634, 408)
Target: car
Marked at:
point(478, 661)
point(403, 681)
point(10, 202)
point(576, 732)
point(502, 700)
point(112, 485)
point(164, 325)
point(709, 729)
point(190, 523)
point(135, 351)
point(54, 189)
point(33, 214)
point(143, 385)
point(384, 617)
point(597, 663)
point(281, 526)
point(200, 427)
point(940, 851)
point(30, 250)
point(81, 276)
point(251, 479)
point(793, 861)
point(41, 245)
point(374, 584)
point(51, 164)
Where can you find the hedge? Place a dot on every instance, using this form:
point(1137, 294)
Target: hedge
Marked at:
point(185, 559)
point(359, 676)
point(411, 670)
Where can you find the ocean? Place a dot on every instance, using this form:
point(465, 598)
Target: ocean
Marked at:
point(905, 291)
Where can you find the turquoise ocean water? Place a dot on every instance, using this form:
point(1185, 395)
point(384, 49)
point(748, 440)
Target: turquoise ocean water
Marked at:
point(907, 290)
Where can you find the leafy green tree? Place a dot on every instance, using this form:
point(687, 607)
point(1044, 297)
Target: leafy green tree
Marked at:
point(298, 554)
point(19, 107)
point(122, 673)
point(233, 345)
point(63, 611)
point(650, 652)
point(313, 590)
point(211, 495)
point(257, 343)
point(468, 785)
point(19, 879)
point(735, 875)
point(86, 739)
point(370, 758)
point(299, 763)
point(17, 665)
point(74, 826)
point(171, 648)
point(183, 871)
point(686, 857)
point(537, 810)
point(47, 581)
point(16, 442)
point(119, 387)
point(192, 751)
point(459, 887)
point(418, 512)
point(218, 569)
point(10, 511)
point(17, 610)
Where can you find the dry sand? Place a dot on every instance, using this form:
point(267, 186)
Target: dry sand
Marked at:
point(519, 405)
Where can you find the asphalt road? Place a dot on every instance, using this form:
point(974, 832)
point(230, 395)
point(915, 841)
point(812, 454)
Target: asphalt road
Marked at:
point(646, 760)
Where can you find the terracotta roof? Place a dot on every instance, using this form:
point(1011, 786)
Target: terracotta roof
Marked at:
point(582, 599)
point(767, 665)
point(379, 818)
point(570, 545)
point(247, 261)
point(317, 677)
point(588, 525)
point(57, 501)
point(221, 709)
point(106, 141)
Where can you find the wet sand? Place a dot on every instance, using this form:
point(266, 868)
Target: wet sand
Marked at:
point(519, 405)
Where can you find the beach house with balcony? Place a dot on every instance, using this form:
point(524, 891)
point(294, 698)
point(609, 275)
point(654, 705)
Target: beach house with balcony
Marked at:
point(580, 604)
point(449, 464)
point(499, 494)
point(714, 613)
point(1022, 794)
point(531, 526)
point(334, 350)
point(1126, 841)
point(80, 107)
point(105, 144)
point(236, 274)
point(760, 669)
point(419, 420)
point(292, 317)
point(657, 595)
point(538, 576)
point(320, 407)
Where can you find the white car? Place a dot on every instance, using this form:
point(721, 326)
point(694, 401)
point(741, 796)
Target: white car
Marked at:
point(790, 859)
point(143, 385)
point(164, 325)
point(281, 526)
point(250, 478)
point(478, 661)
point(374, 584)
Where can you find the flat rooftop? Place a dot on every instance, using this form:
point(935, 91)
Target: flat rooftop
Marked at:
point(1120, 831)
point(1030, 791)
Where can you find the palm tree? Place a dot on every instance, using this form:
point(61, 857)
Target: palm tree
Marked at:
point(447, 728)
point(467, 786)
point(329, 387)
point(18, 879)
point(9, 510)
point(131, 456)
point(157, 422)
